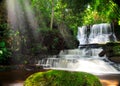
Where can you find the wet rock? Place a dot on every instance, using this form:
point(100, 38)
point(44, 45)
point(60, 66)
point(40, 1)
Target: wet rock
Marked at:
point(102, 53)
point(112, 52)
point(115, 59)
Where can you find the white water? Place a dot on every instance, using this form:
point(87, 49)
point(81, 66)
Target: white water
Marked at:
point(99, 33)
point(70, 61)
point(95, 66)
point(81, 53)
point(82, 35)
point(87, 59)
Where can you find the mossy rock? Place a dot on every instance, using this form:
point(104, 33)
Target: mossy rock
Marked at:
point(62, 78)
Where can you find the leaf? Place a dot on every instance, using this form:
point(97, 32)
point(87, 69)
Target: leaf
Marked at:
point(2, 44)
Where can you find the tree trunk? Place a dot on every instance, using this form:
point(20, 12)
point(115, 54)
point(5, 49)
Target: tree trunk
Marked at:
point(52, 15)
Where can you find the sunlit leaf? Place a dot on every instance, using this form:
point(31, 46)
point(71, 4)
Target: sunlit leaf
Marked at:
point(1, 52)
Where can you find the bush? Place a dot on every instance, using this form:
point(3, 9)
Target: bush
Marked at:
point(53, 41)
point(62, 78)
point(116, 50)
point(4, 53)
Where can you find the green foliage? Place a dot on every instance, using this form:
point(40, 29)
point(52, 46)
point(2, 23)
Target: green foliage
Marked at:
point(119, 22)
point(74, 13)
point(39, 49)
point(3, 30)
point(112, 49)
point(2, 44)
point(68, 12)
point(100, 11)
point(43, 11)
point(59, 11)
point(4, 53)
point(53, 41)
point(62, 78)
point(116, 50)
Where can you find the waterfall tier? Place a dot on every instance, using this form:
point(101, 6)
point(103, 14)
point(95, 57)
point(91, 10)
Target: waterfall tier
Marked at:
point(74, 60)
point(97, 33)
point(86, 59)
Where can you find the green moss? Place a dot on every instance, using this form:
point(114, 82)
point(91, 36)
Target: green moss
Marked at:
point(116, 50)
point(62, 78)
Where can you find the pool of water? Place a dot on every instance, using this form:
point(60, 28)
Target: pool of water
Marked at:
point(17, 78)
point(110, 79)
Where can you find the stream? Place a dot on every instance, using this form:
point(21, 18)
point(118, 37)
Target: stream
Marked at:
point(17, 78)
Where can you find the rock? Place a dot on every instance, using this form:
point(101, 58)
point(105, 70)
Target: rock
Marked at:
point(102, 53)
point(115, 59)
point(112, 52)
point(62, 78)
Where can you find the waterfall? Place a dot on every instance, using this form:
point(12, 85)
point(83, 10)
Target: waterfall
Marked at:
point(99, 33)
point(82, 35)
point(86, 59)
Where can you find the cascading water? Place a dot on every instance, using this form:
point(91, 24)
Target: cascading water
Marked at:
point(101, 33)
point(85, 59)
point(82, 35)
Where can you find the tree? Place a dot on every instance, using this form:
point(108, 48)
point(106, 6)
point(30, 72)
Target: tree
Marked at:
point(52, 14)
point(100, 11)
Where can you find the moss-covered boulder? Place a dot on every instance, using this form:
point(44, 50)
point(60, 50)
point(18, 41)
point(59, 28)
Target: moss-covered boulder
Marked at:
point(62, 78)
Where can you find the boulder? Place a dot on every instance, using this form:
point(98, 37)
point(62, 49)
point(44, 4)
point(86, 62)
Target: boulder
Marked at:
point(62, 78)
